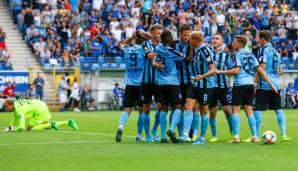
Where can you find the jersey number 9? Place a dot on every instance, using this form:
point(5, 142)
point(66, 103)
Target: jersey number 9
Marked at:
point(133, 60)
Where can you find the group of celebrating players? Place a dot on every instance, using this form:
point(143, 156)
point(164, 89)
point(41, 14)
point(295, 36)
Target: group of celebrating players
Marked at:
point(189, 76)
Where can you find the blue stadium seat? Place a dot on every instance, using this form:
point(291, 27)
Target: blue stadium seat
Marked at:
point(85, 67)
point(122, 66)
point(47, 66)
point(94, 67)
point(114, 65)
point(118, 60)
point(104, 65)
point(82, 59)
point(101, 60)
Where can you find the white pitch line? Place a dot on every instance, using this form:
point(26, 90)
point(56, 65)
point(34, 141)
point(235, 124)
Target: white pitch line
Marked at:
point(57, 142)
point(93, 133)
point(89, 133)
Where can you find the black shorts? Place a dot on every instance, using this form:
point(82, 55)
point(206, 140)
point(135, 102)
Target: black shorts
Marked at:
point(169, 95)
point(243, 95)
point(220, 94)
point(149, 91)
point(202, 95)
point(184, 89)
point(132, 96)
point(267, 99)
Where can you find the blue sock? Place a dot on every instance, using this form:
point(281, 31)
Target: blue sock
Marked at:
point(140, 123)
point(252, 125)
point(163, 124)
point(281, 121)
point(212, 122)
point(156, 122)
point(171, 117)
point(195, 123)
point(123, 118)
point(258, 117)
point(235, 118)
point(147, 124)
point(175, 119)
point(204, 125)
point(188, 116)
point(228, 117)
point(180, 125)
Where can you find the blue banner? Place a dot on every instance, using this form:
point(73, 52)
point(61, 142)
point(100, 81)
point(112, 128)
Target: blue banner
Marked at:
point(19, 78)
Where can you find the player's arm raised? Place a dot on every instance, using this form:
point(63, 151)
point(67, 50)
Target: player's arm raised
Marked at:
point(148, 53)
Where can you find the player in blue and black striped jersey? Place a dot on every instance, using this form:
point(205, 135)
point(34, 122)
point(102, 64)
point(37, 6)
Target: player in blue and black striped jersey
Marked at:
point(221, 93)
point(134, 59)
point(149, 82)
point(186, 71)
point(269, 59)
point(201, 88)
point(245, 64)
point(168, 84)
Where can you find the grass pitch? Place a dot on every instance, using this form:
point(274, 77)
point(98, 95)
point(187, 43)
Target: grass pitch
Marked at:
point(94, 147)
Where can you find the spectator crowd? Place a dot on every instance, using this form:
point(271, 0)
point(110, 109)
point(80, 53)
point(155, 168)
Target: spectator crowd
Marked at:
point(71, 31)
point(4, 53)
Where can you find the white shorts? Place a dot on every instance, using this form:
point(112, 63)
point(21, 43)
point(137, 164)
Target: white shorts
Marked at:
point(62, 98)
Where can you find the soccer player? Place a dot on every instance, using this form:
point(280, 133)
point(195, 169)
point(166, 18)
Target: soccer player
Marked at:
point(37, 115)
point(149, 83)
point(169, 85)
point(186, 71)
point(222, 61)
point(269, 60)
point(134, 59)
point(245, 64)
point(202, 87)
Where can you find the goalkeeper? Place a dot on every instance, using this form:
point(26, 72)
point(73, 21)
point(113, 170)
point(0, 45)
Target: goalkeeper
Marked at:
point(35, 113)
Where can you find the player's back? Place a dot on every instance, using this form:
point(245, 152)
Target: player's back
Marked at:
point(247, 63)
point(31, 108)
point(270, 57)
point(185, 68)
point(222, 61)
point(149, 73)
point(134, 60)
point(168, 57)
point(204, 57)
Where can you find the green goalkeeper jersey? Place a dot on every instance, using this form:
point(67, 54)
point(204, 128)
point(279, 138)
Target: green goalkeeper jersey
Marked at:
point(28, 110)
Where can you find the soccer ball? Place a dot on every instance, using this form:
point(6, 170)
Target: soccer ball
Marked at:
point(269, 137)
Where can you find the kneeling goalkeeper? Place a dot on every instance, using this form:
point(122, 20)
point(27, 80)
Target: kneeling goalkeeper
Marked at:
point(35, 113)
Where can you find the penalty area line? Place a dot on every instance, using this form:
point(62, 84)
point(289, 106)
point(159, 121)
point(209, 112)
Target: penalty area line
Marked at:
point(93, 133)
point(56, 142)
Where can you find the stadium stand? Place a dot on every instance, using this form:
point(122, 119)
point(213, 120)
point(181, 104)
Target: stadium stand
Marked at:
point(4, 53)
point(88, 33)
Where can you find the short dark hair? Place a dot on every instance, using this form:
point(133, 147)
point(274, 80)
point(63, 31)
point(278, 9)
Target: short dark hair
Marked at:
point(265, 35)
point(155, 27)
point(185, 27)
point(166, 37)
point(241, 39)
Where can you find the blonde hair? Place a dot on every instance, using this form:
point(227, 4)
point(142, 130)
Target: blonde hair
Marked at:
point(197, 35)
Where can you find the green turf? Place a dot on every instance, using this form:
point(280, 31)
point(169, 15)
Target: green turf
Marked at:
point(94, 148)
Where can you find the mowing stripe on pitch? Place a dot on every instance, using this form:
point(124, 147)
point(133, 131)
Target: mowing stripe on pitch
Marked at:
point(56, 142)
